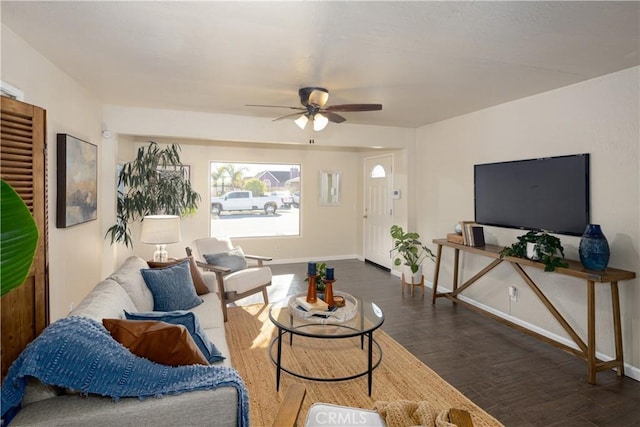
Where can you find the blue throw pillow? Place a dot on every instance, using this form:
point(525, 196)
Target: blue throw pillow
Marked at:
point(233, 260)
point(188, 320)
point(172, 287)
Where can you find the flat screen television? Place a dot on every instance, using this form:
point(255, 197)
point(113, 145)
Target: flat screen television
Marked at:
point(550, 194)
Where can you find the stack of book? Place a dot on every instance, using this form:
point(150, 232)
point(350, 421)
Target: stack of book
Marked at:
point(472, 233)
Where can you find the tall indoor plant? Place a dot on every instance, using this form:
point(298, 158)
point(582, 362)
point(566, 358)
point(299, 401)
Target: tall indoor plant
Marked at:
point(18, 238)
point(409, 251)
point(153, 183)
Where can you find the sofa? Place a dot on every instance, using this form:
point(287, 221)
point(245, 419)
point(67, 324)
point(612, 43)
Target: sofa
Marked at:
point(126, 290)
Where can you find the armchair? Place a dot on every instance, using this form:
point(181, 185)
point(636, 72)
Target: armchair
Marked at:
point(230, 285)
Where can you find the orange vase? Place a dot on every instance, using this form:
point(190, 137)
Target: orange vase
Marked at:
point(328, 293)
point(311, 291)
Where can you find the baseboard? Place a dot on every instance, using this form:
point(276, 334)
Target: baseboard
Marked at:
point(629, 370)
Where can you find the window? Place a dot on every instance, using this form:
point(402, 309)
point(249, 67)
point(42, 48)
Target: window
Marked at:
point(254, 199)
point(378, 172)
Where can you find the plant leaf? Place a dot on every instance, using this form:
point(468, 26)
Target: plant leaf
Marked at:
point(18, 239)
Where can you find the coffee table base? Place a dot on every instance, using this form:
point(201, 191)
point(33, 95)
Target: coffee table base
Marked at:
point(371, 365)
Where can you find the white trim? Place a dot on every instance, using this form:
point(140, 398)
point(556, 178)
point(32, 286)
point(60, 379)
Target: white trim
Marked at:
point(11, 91)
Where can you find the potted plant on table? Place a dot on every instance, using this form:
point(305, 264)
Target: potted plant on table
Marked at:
point(538, 246)
point(409, 252)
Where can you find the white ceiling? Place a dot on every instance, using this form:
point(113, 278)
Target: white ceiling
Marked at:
point(424, 61)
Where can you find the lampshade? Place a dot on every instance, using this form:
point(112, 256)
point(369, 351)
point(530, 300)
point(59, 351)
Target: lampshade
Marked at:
point(319, 122)
point(160, 229)
point(302, 121)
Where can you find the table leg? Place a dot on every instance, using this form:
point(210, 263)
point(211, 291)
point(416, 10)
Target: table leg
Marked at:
point(436, 273)
point(279, 358)
point(456, 258)
point(617, 327)
point(370, 362)
point(591, 331)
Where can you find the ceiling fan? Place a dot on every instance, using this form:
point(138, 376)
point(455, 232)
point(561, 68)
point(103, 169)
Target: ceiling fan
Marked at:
point(313, 100)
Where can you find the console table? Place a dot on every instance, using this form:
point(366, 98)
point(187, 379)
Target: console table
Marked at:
point(585, 351)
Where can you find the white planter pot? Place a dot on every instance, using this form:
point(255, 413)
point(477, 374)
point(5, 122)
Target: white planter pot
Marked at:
point(410, 277)
point(532, 251)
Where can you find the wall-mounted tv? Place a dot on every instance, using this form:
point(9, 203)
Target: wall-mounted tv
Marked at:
point(549, 194)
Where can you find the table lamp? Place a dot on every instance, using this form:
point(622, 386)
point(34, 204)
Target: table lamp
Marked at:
point(160, 230)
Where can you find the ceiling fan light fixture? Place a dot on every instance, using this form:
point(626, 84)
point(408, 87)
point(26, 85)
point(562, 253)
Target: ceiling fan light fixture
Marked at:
point(319, 122)
point(318, 96)
point(302, 121)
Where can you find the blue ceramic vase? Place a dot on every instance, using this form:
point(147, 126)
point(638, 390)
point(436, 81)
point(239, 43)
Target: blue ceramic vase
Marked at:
point(594, 248)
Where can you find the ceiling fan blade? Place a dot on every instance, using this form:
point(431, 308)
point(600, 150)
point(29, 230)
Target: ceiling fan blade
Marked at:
point(276, 106)
point(287, 116)
point(333, 117)
point(355, 107)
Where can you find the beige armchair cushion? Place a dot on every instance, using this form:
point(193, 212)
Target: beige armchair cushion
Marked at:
point(247, 279)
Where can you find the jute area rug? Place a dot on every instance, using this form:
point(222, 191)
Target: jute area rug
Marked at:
point(399, 376)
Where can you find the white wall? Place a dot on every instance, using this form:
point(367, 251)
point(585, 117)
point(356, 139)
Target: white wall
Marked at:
point(74, 253)
point(599, 117)
point(326, 232)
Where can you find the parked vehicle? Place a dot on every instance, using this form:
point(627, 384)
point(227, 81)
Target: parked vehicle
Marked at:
point(296, 199)
point(244, 201)
point(285, 198)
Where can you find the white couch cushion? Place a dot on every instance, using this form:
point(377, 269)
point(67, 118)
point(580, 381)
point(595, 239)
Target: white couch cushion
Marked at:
point(106, 300)
point(209, 313)
point(130, 278)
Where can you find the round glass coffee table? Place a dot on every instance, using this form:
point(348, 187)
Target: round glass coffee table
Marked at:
point(364, 318)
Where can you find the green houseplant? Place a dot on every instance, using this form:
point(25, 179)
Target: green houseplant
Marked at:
point(154, 183)
point(18, 239)
point(542, 246)
point(408, 250)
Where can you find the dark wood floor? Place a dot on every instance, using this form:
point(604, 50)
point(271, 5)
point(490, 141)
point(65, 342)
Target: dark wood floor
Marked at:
point(516, 378)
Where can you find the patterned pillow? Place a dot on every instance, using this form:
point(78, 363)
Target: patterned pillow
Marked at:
point(188, 320)
point(172, 287)
point(149, 339)
point(234, 259)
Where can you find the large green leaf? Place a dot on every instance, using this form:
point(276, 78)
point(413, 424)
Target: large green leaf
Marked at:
point(18, 239)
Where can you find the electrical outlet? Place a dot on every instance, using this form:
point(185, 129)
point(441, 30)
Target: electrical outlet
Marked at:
point(513, 293)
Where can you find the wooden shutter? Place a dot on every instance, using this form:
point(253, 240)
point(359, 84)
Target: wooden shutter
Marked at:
point(25, 310)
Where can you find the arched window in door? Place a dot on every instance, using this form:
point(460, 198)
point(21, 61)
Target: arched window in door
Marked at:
point(378, 172)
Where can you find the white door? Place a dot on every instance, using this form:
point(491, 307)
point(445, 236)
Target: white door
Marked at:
point(378, 215)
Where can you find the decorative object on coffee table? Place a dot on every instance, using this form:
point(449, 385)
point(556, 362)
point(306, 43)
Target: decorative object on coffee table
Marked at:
point(594, 248)
point(328, 290)
point(312, 296)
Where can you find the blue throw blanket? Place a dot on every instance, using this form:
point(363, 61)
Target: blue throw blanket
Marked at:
point(79, 353)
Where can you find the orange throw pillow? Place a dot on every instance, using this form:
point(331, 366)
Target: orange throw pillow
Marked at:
point(159, 342)
point(196, 275)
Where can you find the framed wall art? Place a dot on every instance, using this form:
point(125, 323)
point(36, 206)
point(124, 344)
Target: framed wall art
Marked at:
point(77, 185)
